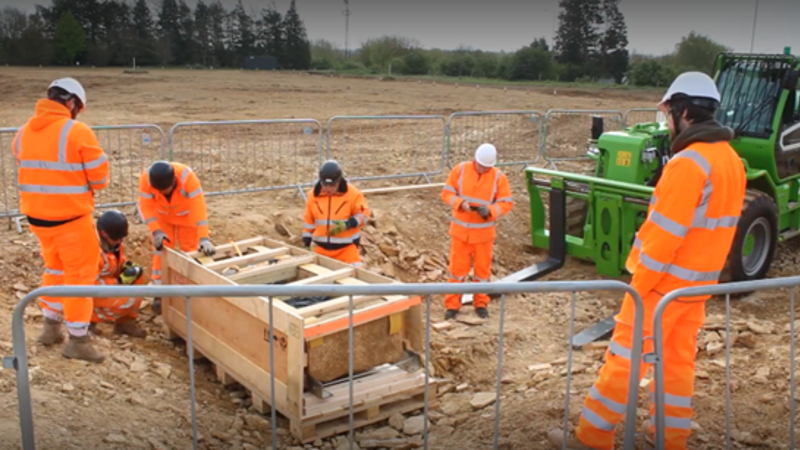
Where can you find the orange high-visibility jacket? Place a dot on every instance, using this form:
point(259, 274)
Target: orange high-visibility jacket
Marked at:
point(465, 185)
point(347, 204)
point(111, 266)
point(691, 220)
point(61, 164)
point(186, 207)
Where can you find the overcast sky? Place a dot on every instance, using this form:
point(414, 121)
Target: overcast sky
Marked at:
point(654, 26)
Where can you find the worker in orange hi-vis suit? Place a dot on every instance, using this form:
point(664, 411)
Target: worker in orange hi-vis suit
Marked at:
point(479, 194)
point(116, 269)
point(684, 242)
point(172, 205)
point(60, 167)
point(335, 213)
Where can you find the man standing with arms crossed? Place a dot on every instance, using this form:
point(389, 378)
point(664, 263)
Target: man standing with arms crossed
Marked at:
point(61, 166)
point(684, 242)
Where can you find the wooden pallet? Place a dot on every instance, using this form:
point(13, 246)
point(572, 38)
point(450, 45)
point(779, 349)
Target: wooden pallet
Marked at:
point(311, 342)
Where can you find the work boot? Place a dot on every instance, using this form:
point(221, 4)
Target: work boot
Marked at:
point(80, 347)
point(51, 333)
point(556, 438)
point(156, 306)
point(450, 314)
point(483, 313)
point(130, 327)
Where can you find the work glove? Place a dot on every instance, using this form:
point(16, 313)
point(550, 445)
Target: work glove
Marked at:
point(306, 242)
point(207, 247)
point(156, 306)
point(339, 226)
point(483, 210)
point(130, 273)
point(158, 239)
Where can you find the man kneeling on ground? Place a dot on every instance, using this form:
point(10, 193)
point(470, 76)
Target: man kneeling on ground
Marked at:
point(115, 269)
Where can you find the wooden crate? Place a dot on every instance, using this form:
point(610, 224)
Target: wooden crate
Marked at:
point(311, 342)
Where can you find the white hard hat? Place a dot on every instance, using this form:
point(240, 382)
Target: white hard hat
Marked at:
point(486, 155)
point(693, 84)
point(72, 86)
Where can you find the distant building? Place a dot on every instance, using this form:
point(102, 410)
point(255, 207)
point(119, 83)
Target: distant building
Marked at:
point(261, 63)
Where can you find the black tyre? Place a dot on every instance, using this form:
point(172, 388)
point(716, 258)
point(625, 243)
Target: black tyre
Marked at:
point(756, 238)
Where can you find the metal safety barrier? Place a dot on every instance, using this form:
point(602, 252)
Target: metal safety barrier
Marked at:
point(657, 358)
point(516, 134)
point(374, 148)
point(643, 115)
point(129, 148)
point(19, 362)
point(244, 156)
point(567, 133)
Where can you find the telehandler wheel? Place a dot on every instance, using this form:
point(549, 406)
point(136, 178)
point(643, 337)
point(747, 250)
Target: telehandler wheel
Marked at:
point(756, 238)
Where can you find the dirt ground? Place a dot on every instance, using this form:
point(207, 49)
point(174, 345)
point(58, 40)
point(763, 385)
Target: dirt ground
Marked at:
point(139, 398)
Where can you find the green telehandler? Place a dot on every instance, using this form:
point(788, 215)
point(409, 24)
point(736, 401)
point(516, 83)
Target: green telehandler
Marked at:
point(595, 217)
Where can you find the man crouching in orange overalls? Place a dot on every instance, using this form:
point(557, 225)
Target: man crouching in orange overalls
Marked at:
point(115, 269)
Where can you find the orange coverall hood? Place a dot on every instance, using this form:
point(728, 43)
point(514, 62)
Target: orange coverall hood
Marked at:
point(48, 112)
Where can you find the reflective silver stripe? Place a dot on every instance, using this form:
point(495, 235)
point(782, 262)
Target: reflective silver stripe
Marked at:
point(157, 253)
point(675, 422)
point(184, 175)
point(129, 304)
point(104, 270)
point(102, 181)
point(461, 177)
point(595, 419)
point(95, 163)
point(481, 280)
point(50, 165)
point(697, 158)
point(192, 194)
point(62, 140)
point(618, 408)
point(53, 272)
point(145, 195)
point(505, 199)
point(710, 224)
point(336, 240)
point(76, 324)
point(100, 314)
point(202, 222)
point(653, 200)
point(497, 209)
point(619, 350)
point(362, 217)
point(53, 305)
point(195, 193)
point(668, 224)
point(676, 271)
point(161, 212)
point(677, 400)
point(307, 234)
point(182, 213)
point(496, 181)
point(150, 220)
point(157, 281)
point(455, 277)
point(309, 226)
point(156, 272)
point(41, 189)
point(323, 223)
point(450, 189)
point(472, 225)
point(357, 264)
point(453, 200)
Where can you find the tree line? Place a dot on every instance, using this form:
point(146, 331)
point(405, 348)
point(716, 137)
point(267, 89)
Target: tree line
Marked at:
point(114, 32)
point(590, 44)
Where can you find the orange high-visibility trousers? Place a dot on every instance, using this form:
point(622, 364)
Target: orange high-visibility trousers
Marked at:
point(604, 407)
point(113, 309)
point(186, 239)
point(71, 254)
point(462, 256)
point(349, 254)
